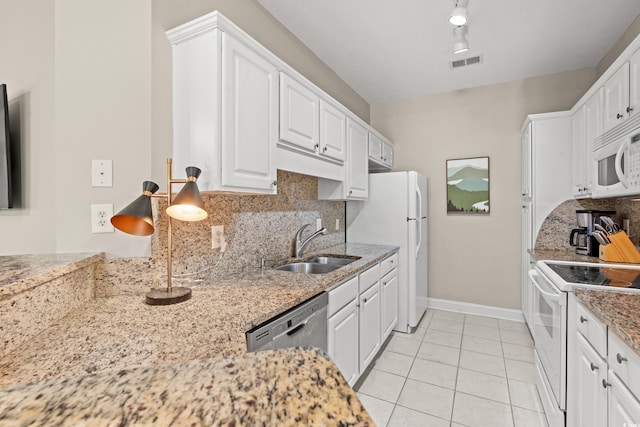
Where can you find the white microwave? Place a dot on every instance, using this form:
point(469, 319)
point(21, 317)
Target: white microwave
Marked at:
point(616, 166)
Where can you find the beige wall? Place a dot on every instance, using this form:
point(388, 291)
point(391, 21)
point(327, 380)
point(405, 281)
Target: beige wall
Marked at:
point(475, 259)
point(258, 23)
point(627, 37)
point(26, 49)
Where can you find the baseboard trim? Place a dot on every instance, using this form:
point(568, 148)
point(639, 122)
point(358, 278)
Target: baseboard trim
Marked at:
point(477, 309)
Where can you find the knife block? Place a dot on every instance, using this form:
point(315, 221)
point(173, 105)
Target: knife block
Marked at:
point(621, 249)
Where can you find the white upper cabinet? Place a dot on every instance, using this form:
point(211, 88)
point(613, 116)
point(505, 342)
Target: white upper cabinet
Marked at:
point(249, 118)
point(622, 93)
point(299, 116)
point(380, 152)
point(225, 107)
point(357, 166)
point(333, 131)
point(616, 97)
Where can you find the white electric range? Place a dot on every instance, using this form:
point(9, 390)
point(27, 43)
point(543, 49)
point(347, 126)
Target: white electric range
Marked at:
point(552, 281)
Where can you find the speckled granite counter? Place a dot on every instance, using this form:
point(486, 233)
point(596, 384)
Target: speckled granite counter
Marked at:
point(618, 310)
point(22, 272)
point(563, 255)
point(122, 332)
point(273, 388)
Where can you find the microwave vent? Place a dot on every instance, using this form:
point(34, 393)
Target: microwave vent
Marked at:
point(618, 131)
point(459, 63)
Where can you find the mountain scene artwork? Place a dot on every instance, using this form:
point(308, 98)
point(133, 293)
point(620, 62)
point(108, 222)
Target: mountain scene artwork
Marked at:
point(468, 185)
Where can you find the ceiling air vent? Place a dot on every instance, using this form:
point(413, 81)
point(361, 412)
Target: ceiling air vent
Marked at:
point(465, 62)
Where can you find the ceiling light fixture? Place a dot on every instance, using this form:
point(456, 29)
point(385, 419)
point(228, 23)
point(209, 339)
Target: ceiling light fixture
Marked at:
point(461, 44)
point(459, 15)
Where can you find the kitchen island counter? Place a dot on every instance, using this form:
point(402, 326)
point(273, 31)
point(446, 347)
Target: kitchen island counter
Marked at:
point(278, 387)
point(122, 332)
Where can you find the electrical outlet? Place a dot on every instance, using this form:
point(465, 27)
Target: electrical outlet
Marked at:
point(217, 236)
point(337, 224)
point(101, 219)
point(318, 224)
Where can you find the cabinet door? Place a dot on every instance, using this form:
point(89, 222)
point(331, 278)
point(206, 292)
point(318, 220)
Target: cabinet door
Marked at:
point(578, 147)
point(370, 325)
point(590, 395)
point(634, 84)
point(624, 408)
point(389, 287)
point(342, 344)
point(357, 161)
point(375, 148)
point(333, 132)
point(249, 118)
point(616, 97)
point(526, 162)
point(594, 118)
point(299, 119)
point(387, 155)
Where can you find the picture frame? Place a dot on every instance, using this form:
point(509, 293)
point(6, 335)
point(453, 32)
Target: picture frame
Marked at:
point(468, 186)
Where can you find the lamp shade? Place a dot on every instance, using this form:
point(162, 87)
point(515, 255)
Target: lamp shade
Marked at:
point(136, 218)
point(188, 206)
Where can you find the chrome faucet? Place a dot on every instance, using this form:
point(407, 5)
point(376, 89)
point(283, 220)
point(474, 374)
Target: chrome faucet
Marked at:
point(300, 245)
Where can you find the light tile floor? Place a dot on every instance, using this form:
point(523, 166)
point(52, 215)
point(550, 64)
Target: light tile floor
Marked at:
point(456, 370)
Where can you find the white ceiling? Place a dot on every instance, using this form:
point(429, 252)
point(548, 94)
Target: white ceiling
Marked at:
point(401, 49)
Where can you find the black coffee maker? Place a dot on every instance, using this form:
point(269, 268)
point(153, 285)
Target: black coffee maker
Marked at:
point(582, 237)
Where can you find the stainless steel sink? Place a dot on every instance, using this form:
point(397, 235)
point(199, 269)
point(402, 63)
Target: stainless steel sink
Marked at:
point(308, 267)
point(330, 260)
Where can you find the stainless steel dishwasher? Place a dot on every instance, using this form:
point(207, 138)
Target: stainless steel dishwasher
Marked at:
point(303, 325)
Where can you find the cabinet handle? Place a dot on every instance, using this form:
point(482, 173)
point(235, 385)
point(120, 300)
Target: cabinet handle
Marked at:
point(619, 116)
point(391, 261)
point(583, 319)
point(315, 147)
point(629, 109)
point(274, 183)
point(350, 192)
point(594, 367)
point(620, 358)
point(605, 384)
point(364, 300)
point(324, 149)
point(384, 283)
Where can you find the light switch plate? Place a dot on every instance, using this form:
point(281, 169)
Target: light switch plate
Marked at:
point(318, 224)
point(101, 173)
point(217, 236)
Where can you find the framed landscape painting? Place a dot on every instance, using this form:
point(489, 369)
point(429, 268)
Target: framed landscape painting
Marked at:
point(468, 186)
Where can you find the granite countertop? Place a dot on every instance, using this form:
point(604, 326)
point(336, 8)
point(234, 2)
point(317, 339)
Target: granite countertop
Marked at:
point(19, 273)
point(620, 311)
point(564, 255)
point(279, 387)
point(123, 332)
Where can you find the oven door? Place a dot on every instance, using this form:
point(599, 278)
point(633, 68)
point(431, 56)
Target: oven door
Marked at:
point(550, 333)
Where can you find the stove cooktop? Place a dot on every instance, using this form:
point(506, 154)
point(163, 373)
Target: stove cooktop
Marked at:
point(597, 275)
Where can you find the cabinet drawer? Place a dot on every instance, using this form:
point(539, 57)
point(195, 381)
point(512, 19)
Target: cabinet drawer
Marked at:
point(625, 363)
point(369, 278)
point(593, 329)
point(342, 294)
point(388, 264)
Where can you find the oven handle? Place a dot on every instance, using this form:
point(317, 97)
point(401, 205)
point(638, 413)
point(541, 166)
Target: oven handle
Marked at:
point(555, 297)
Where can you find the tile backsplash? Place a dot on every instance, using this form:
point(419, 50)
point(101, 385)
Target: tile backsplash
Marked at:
point(554, 232)
point(255, 227)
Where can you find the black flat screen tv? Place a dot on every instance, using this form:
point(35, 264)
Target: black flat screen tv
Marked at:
point(6, 198)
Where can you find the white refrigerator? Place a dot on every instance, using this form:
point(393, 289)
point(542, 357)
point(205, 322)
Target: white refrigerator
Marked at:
point(396, 214)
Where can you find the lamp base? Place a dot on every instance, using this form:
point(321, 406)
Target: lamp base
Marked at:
point(166, 297)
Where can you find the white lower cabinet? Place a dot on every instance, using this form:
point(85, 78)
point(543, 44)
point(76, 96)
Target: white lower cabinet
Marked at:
point(606, 380)
point(590, 393)
point(369, 325)
point(343, 341)
point(389, 288)
point(362, 312)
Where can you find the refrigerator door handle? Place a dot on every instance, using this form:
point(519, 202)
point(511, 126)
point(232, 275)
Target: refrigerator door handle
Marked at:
point(419, 194)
